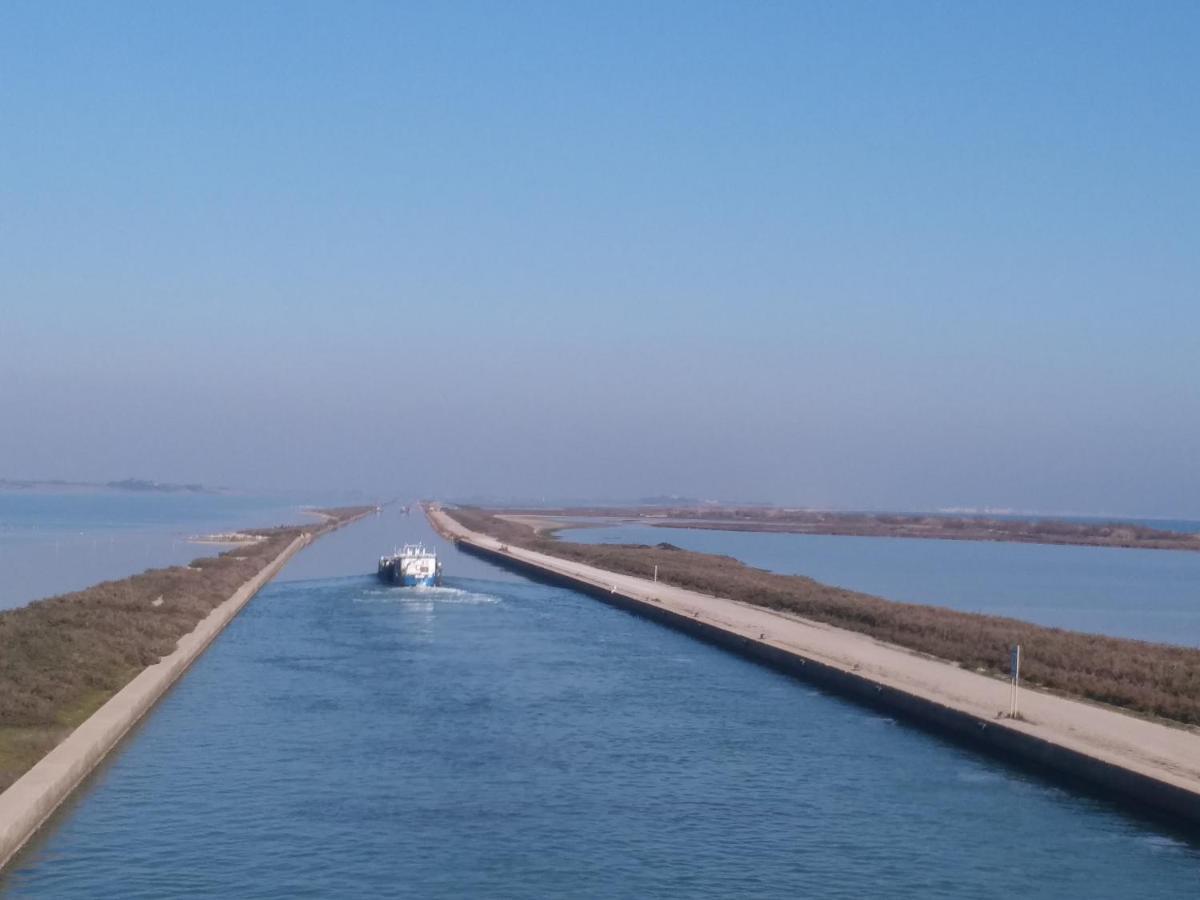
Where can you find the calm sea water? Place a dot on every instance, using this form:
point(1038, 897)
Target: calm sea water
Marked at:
point(51, 543)
point(500, 738)
point(1151, 595)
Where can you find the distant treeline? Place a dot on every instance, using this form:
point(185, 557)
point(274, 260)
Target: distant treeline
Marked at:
point(1154, 679)
point(63, 657)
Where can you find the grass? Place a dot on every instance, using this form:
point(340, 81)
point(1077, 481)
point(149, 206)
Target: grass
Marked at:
point(1159, 680)
point(61, 658)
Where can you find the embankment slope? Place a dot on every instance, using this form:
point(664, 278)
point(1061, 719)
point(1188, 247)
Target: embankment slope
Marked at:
point(1143, 762)
point(33, 797)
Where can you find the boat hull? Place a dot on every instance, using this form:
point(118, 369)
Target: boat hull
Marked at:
point(427, 581)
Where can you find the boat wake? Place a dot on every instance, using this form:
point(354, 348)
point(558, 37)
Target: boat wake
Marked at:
point(425, 595)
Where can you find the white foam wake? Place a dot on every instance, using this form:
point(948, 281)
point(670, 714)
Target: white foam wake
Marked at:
point(425, 595)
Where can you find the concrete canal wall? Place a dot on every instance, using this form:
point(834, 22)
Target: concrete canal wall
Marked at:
point(1147, 765)
point(34, 797)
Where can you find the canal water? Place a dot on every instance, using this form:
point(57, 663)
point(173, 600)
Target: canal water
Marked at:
point(501, 738)
point(1149, 595)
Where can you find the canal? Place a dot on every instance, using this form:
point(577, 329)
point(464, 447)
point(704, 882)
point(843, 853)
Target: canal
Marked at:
point(503, 738)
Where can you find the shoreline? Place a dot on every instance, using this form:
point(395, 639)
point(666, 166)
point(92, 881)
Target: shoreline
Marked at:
point(1115, 535)
point(1142, 763)
point(1186, 545)
point(36, 795)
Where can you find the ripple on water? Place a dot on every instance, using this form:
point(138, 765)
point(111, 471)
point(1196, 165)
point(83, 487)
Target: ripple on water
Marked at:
point(441, 594)
point(507, 739)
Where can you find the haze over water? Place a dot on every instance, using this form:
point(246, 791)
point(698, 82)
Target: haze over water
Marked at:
point(874, 255)
point(502, 738)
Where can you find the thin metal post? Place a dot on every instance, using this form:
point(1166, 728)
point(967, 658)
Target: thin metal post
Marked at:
point(1014, 710)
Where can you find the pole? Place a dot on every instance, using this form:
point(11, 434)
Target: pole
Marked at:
point(1017, 686)
point(656, 574)
point(1014, 710)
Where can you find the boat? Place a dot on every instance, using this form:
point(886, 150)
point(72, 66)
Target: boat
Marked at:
point(413, 565)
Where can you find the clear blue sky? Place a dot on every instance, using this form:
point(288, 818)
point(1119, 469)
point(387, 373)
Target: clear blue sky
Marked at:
point(857, 254)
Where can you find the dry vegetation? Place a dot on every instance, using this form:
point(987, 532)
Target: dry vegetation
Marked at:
point(61, 658)
point(1154, 679)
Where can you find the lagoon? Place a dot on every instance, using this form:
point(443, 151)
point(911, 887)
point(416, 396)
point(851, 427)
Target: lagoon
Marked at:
point(52, 542)
point(1149, 595)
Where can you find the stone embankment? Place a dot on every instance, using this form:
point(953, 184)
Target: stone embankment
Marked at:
point(34, 797)
point(1145, 764)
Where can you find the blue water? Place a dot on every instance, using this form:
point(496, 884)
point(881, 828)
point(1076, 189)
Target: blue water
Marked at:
point(500, 738)
point(51, 542)
point(1150, 595)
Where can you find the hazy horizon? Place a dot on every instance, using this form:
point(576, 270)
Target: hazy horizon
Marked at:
point(870, 256)
point(338, 495)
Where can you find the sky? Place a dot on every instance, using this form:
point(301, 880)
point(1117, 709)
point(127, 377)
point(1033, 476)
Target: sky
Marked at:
point(861, 255)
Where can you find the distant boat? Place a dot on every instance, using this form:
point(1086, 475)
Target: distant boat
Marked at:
point(413, 565)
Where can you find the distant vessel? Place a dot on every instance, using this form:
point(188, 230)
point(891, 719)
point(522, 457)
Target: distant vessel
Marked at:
point(412, 566)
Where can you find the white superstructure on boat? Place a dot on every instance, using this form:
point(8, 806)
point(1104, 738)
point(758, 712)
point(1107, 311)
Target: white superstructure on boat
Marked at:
point(413, 565)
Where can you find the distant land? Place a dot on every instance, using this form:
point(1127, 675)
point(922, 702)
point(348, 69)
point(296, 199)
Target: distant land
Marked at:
point(141, 485)
point(930, 526)
point(495, 501)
